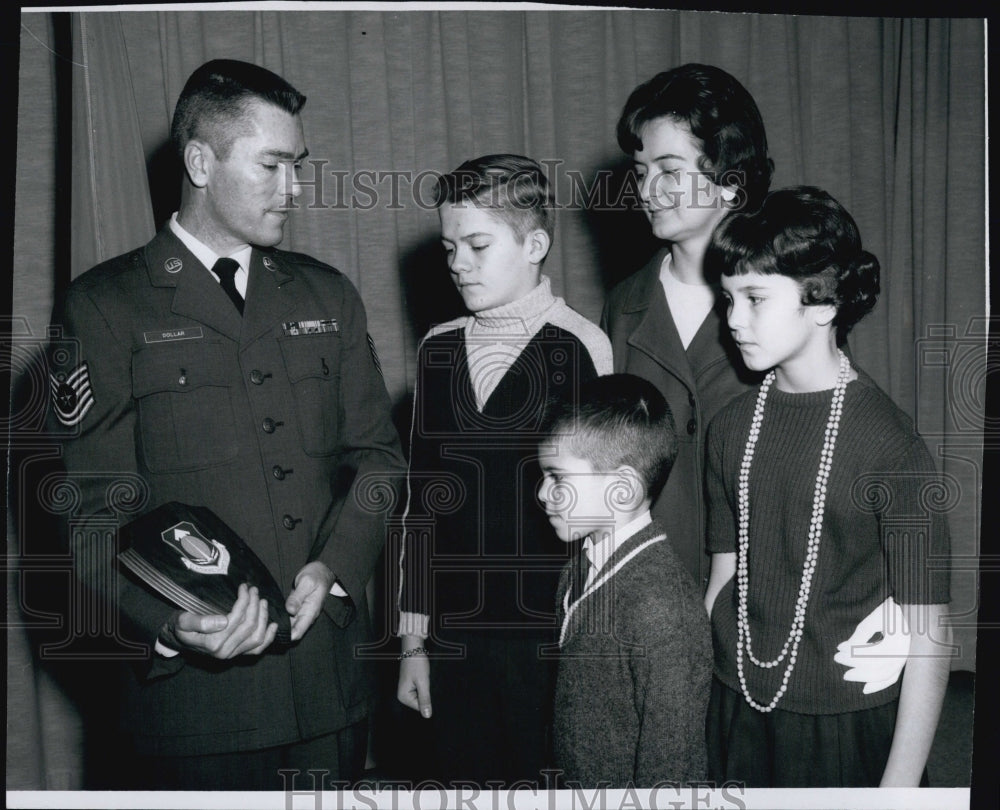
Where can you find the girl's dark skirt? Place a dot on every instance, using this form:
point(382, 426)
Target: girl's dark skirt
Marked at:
point(787, 749)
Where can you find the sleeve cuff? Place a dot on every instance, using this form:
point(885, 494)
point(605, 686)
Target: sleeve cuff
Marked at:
point(164, 650)
point(414, 624)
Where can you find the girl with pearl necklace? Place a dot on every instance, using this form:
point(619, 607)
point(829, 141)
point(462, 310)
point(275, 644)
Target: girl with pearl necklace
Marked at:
point(829, 580)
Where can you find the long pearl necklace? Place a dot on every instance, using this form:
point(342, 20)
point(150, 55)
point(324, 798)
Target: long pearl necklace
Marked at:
point(791, 646)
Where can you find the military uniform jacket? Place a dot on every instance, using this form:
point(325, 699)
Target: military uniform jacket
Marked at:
point(696, 382)
point(279, 422)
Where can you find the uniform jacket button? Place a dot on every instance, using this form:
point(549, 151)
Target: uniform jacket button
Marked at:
point(692, 426)
point(289, 522)
point(268, 425)
point(278, 473)
point(256, 376)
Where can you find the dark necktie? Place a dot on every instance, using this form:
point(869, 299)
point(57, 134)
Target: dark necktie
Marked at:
point(226, 269)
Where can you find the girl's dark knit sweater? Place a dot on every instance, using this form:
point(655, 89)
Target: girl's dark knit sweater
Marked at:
point(884, 533)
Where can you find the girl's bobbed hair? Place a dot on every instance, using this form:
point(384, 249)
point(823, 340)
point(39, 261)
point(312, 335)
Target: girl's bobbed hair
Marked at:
point(805, 234)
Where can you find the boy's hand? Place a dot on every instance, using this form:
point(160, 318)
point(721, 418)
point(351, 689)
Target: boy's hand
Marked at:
point(414, 688)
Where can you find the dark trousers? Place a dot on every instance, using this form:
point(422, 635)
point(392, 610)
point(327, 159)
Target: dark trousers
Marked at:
point(340, 754)
point(492, 710)
point(787, 749)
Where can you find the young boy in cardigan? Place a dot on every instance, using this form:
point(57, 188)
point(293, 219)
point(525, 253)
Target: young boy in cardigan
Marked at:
point(480, 563)
point(635, 650)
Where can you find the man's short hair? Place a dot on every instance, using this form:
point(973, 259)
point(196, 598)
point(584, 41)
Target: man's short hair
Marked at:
point(513, 186)
point(618, 420)
point(213, 104)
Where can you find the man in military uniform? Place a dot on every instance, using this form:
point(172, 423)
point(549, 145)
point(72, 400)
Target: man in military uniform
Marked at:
point(216, 370)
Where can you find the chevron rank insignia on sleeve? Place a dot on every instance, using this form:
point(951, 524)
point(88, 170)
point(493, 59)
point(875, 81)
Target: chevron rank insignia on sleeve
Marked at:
point(71, 395)
point(371, 347)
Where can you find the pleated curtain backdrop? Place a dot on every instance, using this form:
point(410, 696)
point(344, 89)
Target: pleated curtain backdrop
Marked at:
point(886, 114)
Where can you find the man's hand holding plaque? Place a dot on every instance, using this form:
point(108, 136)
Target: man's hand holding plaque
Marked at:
point(231, 604)
point(245, 630)
point(312, 584)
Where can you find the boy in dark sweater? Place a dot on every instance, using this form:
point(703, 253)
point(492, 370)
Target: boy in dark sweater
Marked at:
point(635, 653)
point(480, 563)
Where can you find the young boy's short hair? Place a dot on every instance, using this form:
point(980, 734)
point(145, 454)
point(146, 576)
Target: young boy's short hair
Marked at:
point(514, 185)
point(618, 420)
point(719, 112)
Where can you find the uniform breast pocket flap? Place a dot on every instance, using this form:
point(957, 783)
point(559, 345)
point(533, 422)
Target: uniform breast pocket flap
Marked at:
point(184, 400)
point(312, 363)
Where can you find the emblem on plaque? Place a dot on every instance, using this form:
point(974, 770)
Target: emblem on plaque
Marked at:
point(171, 549)
point(197, 553)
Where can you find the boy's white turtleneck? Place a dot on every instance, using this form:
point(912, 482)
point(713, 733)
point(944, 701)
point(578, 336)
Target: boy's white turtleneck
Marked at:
point(495, 337)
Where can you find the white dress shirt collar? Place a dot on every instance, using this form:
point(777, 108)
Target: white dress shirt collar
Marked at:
point(209, 257)
point(600, 551)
